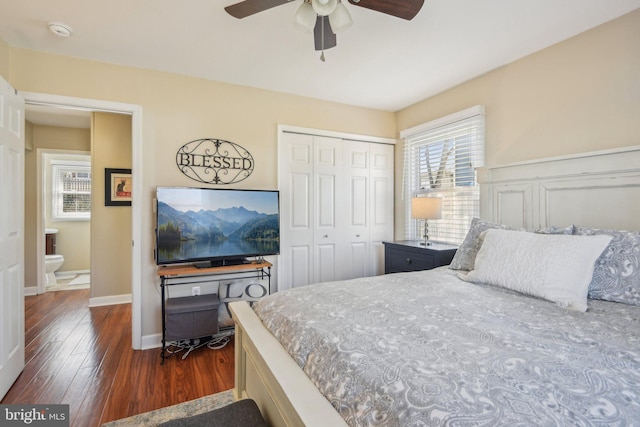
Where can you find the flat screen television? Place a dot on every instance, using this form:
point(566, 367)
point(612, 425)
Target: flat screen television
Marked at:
point(211, 226)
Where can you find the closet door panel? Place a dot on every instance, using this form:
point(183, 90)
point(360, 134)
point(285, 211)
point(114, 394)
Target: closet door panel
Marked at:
point(358, 260)
point(380, 215)
point(356, 170)
point(326, 263)
point(296, 214)
point(300, 184)
point(300, 272)
point(326, 206)
point(358, 203)
point(328, 225)
point(381, 204)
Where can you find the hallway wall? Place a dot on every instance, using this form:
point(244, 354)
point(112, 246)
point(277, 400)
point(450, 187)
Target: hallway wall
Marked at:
point(111, 230)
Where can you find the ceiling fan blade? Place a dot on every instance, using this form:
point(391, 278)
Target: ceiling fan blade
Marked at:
point(251, 7)
point(322, 35)
point(405, 9)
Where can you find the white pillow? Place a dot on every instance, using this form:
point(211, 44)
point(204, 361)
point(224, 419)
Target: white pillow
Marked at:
point(555, 267)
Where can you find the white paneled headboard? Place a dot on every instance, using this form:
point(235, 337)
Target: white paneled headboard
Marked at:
point(596, 189)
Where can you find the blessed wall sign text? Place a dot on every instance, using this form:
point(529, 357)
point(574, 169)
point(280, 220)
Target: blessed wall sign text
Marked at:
point(214, 161)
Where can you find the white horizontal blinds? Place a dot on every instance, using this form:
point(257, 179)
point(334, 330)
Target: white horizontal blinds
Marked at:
point(441, 158)
point(71, 191)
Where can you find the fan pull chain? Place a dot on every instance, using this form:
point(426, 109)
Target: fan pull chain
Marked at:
point(322, 56)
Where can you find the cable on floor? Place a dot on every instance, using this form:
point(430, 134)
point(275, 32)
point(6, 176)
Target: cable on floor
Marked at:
point(216, 342)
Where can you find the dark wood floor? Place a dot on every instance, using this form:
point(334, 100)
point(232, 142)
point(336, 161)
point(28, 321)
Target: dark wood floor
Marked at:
point(82, 357)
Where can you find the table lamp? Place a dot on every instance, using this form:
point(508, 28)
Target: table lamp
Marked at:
point(426, 208)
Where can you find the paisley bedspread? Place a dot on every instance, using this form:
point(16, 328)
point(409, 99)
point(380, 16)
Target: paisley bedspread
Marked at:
point(428, 349)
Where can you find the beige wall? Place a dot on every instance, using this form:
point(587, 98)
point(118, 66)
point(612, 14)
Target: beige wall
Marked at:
point(175, 110)
point(4, 60)
point(580, 95)
point(111, 229)
point(73, 238)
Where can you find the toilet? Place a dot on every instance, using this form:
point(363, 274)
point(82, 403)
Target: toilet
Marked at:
point(52, 261)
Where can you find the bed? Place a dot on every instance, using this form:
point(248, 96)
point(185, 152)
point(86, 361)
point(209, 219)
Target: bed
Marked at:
point(502, 338)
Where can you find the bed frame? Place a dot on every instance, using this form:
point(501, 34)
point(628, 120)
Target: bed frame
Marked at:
point(267, 374)
point(596, 189)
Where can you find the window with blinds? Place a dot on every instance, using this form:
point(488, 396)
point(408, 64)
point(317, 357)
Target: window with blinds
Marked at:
point(441, 158)
point(71, 191)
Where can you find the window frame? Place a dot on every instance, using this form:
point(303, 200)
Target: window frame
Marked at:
point(59, 166)
point(461, 203)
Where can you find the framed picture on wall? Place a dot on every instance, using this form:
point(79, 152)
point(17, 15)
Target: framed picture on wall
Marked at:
point(117, 187)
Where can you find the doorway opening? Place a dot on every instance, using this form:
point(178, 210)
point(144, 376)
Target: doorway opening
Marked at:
point(135, 112)
point(66, 211)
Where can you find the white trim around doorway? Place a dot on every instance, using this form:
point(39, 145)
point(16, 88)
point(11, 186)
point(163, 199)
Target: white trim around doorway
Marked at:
point(136, 207)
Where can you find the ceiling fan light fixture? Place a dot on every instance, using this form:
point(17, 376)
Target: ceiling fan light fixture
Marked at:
point(324, 7)
point(340, 19)
point(306, 17)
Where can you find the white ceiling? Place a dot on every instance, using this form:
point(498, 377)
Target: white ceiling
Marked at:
point(381, 62)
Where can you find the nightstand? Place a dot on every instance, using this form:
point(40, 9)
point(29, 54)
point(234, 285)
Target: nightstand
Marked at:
point(410, 255)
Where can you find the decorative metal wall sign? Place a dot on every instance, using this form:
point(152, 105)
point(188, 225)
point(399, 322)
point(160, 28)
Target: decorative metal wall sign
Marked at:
point(214, 161)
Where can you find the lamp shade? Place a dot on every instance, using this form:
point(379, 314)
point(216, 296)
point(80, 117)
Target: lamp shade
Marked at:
point(306, 17)
point(340, 19)
point(426, 207)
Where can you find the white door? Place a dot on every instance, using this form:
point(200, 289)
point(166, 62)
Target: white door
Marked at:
point(329, 224)
point(295, 264)
point(336, 208)
point(356, 161)
point(309, 181)
point(369, 172)
point(11, 236)
point(381, 203)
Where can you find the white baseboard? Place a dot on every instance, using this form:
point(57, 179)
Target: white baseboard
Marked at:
point(30, 291)
point(110, 300)
point(151, 341)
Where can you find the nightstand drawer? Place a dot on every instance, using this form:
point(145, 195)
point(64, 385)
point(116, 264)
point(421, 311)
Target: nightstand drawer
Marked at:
point(411, 256)
point(400, 260)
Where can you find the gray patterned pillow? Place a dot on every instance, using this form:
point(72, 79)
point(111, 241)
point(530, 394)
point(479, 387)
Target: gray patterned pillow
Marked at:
point(465, 256)
point(616, 276)
point(553, 229)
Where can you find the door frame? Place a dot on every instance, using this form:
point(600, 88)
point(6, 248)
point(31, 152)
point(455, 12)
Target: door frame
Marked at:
point(135, 111)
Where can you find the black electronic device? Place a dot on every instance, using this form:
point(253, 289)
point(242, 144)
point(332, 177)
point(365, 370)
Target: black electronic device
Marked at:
point(212, 227)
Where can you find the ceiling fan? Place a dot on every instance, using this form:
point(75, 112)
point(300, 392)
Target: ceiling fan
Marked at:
point(327, 17)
